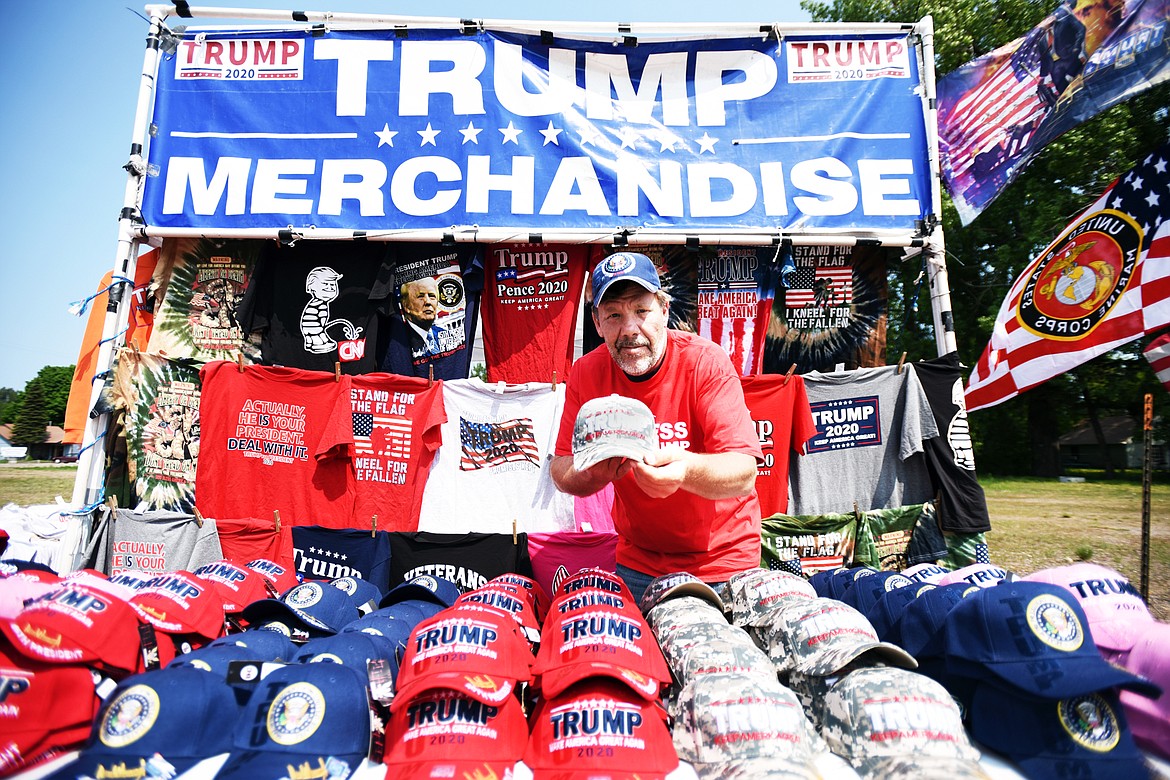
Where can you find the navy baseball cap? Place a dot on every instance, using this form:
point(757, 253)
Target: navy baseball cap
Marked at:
point(364, 594)
point(353, 649)
point(920, 628)
point(887, 611)
point(309, 610)
point(264, 644)
point(393, 629)
point(867, 590)
point(214, 658)
point(413, 611)
point(161, 723)
point(310, 718)
point(423, 588)
point(820, 581)
point(1033, 637)
point(624, 266)
point(1082, 736)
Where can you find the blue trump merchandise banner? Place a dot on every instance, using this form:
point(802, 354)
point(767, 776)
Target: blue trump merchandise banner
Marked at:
point(384, 130)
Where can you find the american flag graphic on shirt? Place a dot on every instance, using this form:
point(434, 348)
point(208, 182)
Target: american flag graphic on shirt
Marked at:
point(817, 285)
point(489, 444)
point(381, 434)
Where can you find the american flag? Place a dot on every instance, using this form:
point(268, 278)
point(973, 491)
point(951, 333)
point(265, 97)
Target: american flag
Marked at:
point(833, 285)
point(381, 434)
point(1158, 353)
point(1127, 302)
point(488, 444)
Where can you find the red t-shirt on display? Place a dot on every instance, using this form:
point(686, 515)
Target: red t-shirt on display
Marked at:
point(260, 445)
point(779, 408)
point(529, 309)
point(389, 432)
point(698, 403)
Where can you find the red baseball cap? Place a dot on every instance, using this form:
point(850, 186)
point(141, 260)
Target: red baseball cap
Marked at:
point(178, 602)
point(599, 641)
point(592, 596)
point(281, 579)
point(597, 730)
point(76, 624)
point(536, 593)
point(48, 709)
point(511, 599)
point(594, 577)
point(238, 586)
point(469, 648)
point(447, 734)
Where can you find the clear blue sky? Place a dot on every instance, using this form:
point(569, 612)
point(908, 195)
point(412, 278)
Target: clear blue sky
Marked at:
point(70, 82)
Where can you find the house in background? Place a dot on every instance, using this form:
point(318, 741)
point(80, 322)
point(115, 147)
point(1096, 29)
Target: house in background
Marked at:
point(1124, 446)
point(52, 448)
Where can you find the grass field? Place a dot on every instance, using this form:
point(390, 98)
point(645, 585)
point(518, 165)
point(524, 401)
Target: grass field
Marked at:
point(1036, 523)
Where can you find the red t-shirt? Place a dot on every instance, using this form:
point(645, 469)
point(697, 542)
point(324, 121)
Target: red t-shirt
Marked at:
point(784, 423)
point(697, 403)
point(389, 431)
point(260, 450)
point(529, 309)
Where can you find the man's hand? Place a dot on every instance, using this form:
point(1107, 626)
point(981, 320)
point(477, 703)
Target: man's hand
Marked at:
point(664, 471)
point(710, 475)
point(587, 482)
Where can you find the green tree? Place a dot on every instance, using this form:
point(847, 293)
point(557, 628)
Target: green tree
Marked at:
point(29, 428)
point(7, 397)
point(985, 257)
point(56, 382)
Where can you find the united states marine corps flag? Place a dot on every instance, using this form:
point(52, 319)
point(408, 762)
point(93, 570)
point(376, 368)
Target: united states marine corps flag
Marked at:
point(1105, 281)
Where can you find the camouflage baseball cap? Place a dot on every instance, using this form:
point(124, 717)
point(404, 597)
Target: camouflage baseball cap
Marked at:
point(722, 656)
point(683, 611)
point(613, 426)
point(820, 636)
point(728, 718)
point(675, 585)
point(877, 715)
point(678, 643)
point(755, 598)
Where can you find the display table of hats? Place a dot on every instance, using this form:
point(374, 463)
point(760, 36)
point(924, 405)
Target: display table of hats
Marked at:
point(853, 673)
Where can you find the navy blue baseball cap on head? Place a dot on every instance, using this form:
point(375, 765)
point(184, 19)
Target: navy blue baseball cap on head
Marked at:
point(423, 588)
point(1082, 736)
point(264, 644)
point(867, 590)
point(887, 610)
point(921, 624)
point(312, 719)
point(624, 267)
point(309, 610)
point(364, 594)
point(1034, 638)
point(160, 723)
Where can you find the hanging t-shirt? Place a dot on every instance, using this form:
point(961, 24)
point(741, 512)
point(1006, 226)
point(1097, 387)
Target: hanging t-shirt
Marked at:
point(872, 425)
point(530, 309)
point(819, 542)
point(42, 533)
point(329, 553)
point(468, 560)
point(729, 310)
point(779, 408)
point(555, 557)
point(261, 446)
point(153, 542)
point(391, 441)
point(161, 399)
point(962, 506)
point(431, 303)
point(205, 280)
point(245, 539)
point(697, 402)
point(316, 304)
point(887, 537)
point(493, 468)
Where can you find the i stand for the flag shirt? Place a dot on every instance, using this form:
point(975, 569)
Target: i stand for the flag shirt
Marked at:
point(1104, 282)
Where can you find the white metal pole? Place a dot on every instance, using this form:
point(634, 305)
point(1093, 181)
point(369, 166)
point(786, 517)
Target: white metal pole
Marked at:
point(90, 480)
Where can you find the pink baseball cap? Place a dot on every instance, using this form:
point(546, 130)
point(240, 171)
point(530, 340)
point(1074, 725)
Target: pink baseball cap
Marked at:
point(596, 729)
point(1116, 613)
point(16, 589)
point(1149, 719)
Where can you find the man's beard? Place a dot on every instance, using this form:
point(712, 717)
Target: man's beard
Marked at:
point(636, 364)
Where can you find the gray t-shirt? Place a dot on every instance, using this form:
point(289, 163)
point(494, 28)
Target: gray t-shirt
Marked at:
point(871, 424)
point(152, 542)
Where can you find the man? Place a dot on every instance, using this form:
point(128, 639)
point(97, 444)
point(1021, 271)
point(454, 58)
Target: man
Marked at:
point(420, 304)
point(692, 505)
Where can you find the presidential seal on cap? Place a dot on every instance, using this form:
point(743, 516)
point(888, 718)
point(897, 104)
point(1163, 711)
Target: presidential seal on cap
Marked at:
point(612, 426)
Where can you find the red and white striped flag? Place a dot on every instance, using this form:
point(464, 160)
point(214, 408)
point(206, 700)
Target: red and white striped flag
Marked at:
point(1158, 353)
point(1104, 282)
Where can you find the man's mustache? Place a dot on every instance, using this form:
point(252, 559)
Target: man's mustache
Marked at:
point(631, 343)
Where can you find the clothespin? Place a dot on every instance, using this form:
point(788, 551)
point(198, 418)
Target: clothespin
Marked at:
point(791, 371)
point(515, 539)
point(373, 526)
point(198, 516)
point(430, 374)
point(337, 372)
point(240, 361)
point(554, 379)
point(901, 362)
point(112, 502)
point(856, 512)
point(276, 517)
point(137, 354)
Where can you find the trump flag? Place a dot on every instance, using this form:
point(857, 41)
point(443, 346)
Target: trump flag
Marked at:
point(1104, 282)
